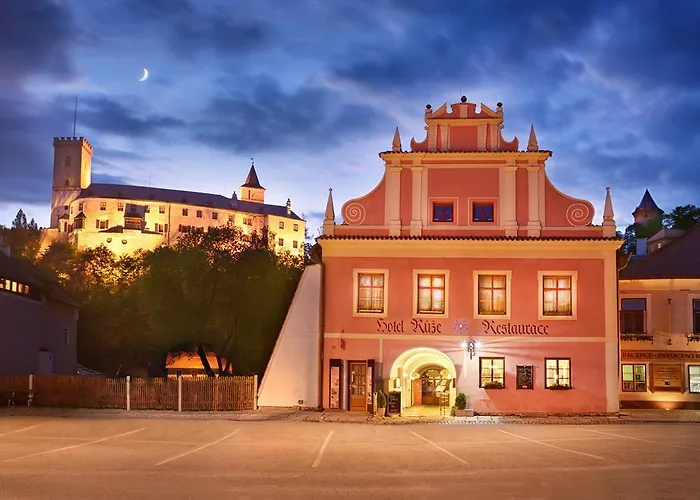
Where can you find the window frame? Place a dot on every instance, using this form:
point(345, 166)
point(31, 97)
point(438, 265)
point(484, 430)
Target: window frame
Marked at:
point(693, 316)
point(647, 314)
point(433, 272)
point(473, 202)
point(103, 206)
point(541, 275)
point(559, 386)
point(690, 391)
point(356, 293)
point(486, 272)
point(296, 227)
point(492, 379)
point(199, 214)
point(439, 203)
point(280, 224)
point(634, 382)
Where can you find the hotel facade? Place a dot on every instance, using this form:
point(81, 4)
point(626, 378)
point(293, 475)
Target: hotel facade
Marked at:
point(466, 271)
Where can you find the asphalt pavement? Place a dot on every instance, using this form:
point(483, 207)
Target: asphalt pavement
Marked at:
point(80, 458)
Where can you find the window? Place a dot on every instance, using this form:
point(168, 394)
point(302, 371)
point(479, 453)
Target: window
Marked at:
point(148, 209)
point(633, 316)
point(280, 242)
point(431, 294)
point(696, 316)
point(482, 212)
point(281, 224)
point(120, 206)
point(159, 228)
point(161, 209)
point(557, 373)
point(103, 205)
point(296, 227)
point(248, 221)
point(132, 223)
point(199, 214)
point(295, 244)
point(556, 296)
point(102, 224)
point(370, 293)
point(185, 212)
point(66, 336)
point(492, 372)
point(231, 219)
point(78, 223)
point(14, 287)
point(694, 378)
point(492, 294)
point(65, 207)
point(80, 206)
point(634, 378)
point(215, 215)
point(443, 212)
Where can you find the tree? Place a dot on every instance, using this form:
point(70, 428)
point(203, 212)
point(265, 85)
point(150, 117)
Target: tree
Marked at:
point(23, 239)
point(682, 217)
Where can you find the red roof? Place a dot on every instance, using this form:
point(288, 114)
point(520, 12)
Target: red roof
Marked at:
point(679, 259)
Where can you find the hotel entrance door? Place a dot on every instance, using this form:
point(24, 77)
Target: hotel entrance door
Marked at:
point(358, 384)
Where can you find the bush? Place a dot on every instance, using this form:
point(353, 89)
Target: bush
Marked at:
point(461, 401)
point(381, 399)
point(492, 384)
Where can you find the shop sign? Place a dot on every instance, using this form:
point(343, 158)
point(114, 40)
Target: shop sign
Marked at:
point(429, 326)
point(492, 328)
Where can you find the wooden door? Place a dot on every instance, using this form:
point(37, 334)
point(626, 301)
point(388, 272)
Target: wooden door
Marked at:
point(358, 384)
point(417, 392)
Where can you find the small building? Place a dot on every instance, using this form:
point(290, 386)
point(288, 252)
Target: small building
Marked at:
point(189, 364)
point(659, 302)
point(39, 321)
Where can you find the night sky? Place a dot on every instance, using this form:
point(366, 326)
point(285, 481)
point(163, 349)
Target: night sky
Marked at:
point(313, 89)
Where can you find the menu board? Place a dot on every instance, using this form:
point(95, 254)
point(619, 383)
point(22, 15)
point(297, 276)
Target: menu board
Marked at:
point(393, 403)
point(667, 377)
point(523, 377)
point(335, 384)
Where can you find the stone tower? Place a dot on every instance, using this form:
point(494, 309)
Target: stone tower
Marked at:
point(647, 210)
point(72, 167)
point(251, 190)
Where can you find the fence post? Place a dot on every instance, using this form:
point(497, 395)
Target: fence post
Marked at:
point(128, 393)
point(255, 392)
point(179, 393)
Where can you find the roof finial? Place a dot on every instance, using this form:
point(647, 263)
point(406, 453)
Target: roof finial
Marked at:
point(532, 141)
point(329, 220)
point(396, 143)
point(608, 215)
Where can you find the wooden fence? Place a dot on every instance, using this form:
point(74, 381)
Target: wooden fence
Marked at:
point(73, 391)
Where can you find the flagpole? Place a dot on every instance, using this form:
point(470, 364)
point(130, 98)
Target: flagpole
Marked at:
point(75, 114)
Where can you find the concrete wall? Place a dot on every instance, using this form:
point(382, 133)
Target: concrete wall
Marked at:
point(293, 370)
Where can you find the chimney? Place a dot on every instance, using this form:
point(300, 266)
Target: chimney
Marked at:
point(289, 207)
point(641, 246)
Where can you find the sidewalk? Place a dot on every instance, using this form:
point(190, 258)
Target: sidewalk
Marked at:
point(290, 414)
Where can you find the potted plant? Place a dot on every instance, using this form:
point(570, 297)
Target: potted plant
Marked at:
point(381, 403)
point(460, 407)
point(492, 384)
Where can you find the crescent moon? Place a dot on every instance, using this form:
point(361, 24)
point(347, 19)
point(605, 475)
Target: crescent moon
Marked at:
point(145, 75)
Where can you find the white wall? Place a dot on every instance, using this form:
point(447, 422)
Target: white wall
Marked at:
point(292, 373)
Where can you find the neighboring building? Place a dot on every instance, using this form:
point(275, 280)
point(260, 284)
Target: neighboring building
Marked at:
point(466, 270)
point(647, 210)
point(189, 364)
point(660, 325)
point(39, 321)
point(127, 218)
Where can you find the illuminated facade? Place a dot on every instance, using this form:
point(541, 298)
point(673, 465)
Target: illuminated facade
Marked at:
point(466, 271)
point(128, 218)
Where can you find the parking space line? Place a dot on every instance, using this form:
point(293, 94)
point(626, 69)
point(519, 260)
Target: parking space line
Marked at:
point(438, 447)
point(322, 449)
point(641, 439)
point(55, 450)
point(19, 430)
point(199, 448)
point(552, 445)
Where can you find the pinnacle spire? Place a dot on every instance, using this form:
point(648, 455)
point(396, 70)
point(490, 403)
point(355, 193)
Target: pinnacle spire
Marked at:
point(532, 140)
point(252, 180)
point(396, 143)
point(330, 211)
point(608, 213)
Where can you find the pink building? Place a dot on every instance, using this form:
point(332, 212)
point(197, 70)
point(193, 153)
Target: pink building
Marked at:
point(466, 270)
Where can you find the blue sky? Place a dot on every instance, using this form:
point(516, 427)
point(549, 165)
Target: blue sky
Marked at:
point(312, 89)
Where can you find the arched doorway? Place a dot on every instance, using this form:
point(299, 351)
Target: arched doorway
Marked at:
point(422, 374)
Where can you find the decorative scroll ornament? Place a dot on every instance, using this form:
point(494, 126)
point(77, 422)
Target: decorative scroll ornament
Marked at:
point(578, 214)
point(460, 326)
point(355, 213)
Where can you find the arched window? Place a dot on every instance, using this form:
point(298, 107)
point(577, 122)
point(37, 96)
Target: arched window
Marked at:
point(67, 182)
point(66, 163)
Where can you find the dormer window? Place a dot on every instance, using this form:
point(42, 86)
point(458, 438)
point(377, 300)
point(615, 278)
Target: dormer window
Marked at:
point(443, 212)
point(482, 212)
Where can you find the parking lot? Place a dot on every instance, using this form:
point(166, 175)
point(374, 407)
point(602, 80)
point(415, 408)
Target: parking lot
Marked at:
point(78, 458)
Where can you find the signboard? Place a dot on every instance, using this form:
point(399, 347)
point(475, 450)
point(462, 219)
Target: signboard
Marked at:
point(435, 327)
point(671, 355)
point(667, 377)
point(369, 385)
point(523, 377)
point(393, 403)
point(334, 402)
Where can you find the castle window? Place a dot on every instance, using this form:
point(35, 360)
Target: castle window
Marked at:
point(482, 212)
point(199, 214)
point(120, 206)
point(248, 221)
point(78, 223)
point(80, 206)
point(101, 224)
point(148, 209)
point(161, 209)
point(66, 162)
point(215, 215)
point(281, 224)
point(443, 212)
point(280, 242)
point(67, 182)
point(296, 227)
point(231, 219)
point(103, 205)
point(185, 212)
point(159, 228)
point(132, 223)
point(295, 244)
point(65, 207)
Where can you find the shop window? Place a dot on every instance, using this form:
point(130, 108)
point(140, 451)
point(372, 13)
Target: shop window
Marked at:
point(557, 373)
point(694, 379)
point(696, 316)
point(370, 293)
point(633, 316)
point(443, 212)
point(431, 294)
point(482, 212)
point(492, 294)
point(557, 296)
point(492, 372)
point(634, 378)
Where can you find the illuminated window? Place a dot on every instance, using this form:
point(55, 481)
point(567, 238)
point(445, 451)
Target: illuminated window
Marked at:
point(148, 209)
point(492, 295)
point(557, 373)
point(634, 378)
point(696, 316)
point(80, 206)
point(103, 205)
point(295, 244)
point(161, 209)
point(248, 221)
point(14, 287)
point(482, 212)
point(296, 227)
point(370, 293)
point(556, 296)
point(443, 212)
point(120, 206)
point(694, 378)
point(492, 373)
point(199, 214)
point(102, 224)
point(633, 316)
point(231, 218)
point(185, 212)
point(431, 294)
point(280, 242)
point(281, 224)
point(215, 215)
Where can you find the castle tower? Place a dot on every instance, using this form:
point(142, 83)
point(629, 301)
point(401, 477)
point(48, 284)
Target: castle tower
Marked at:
point(647, 209)
point(251, 190)
point(72, 168)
